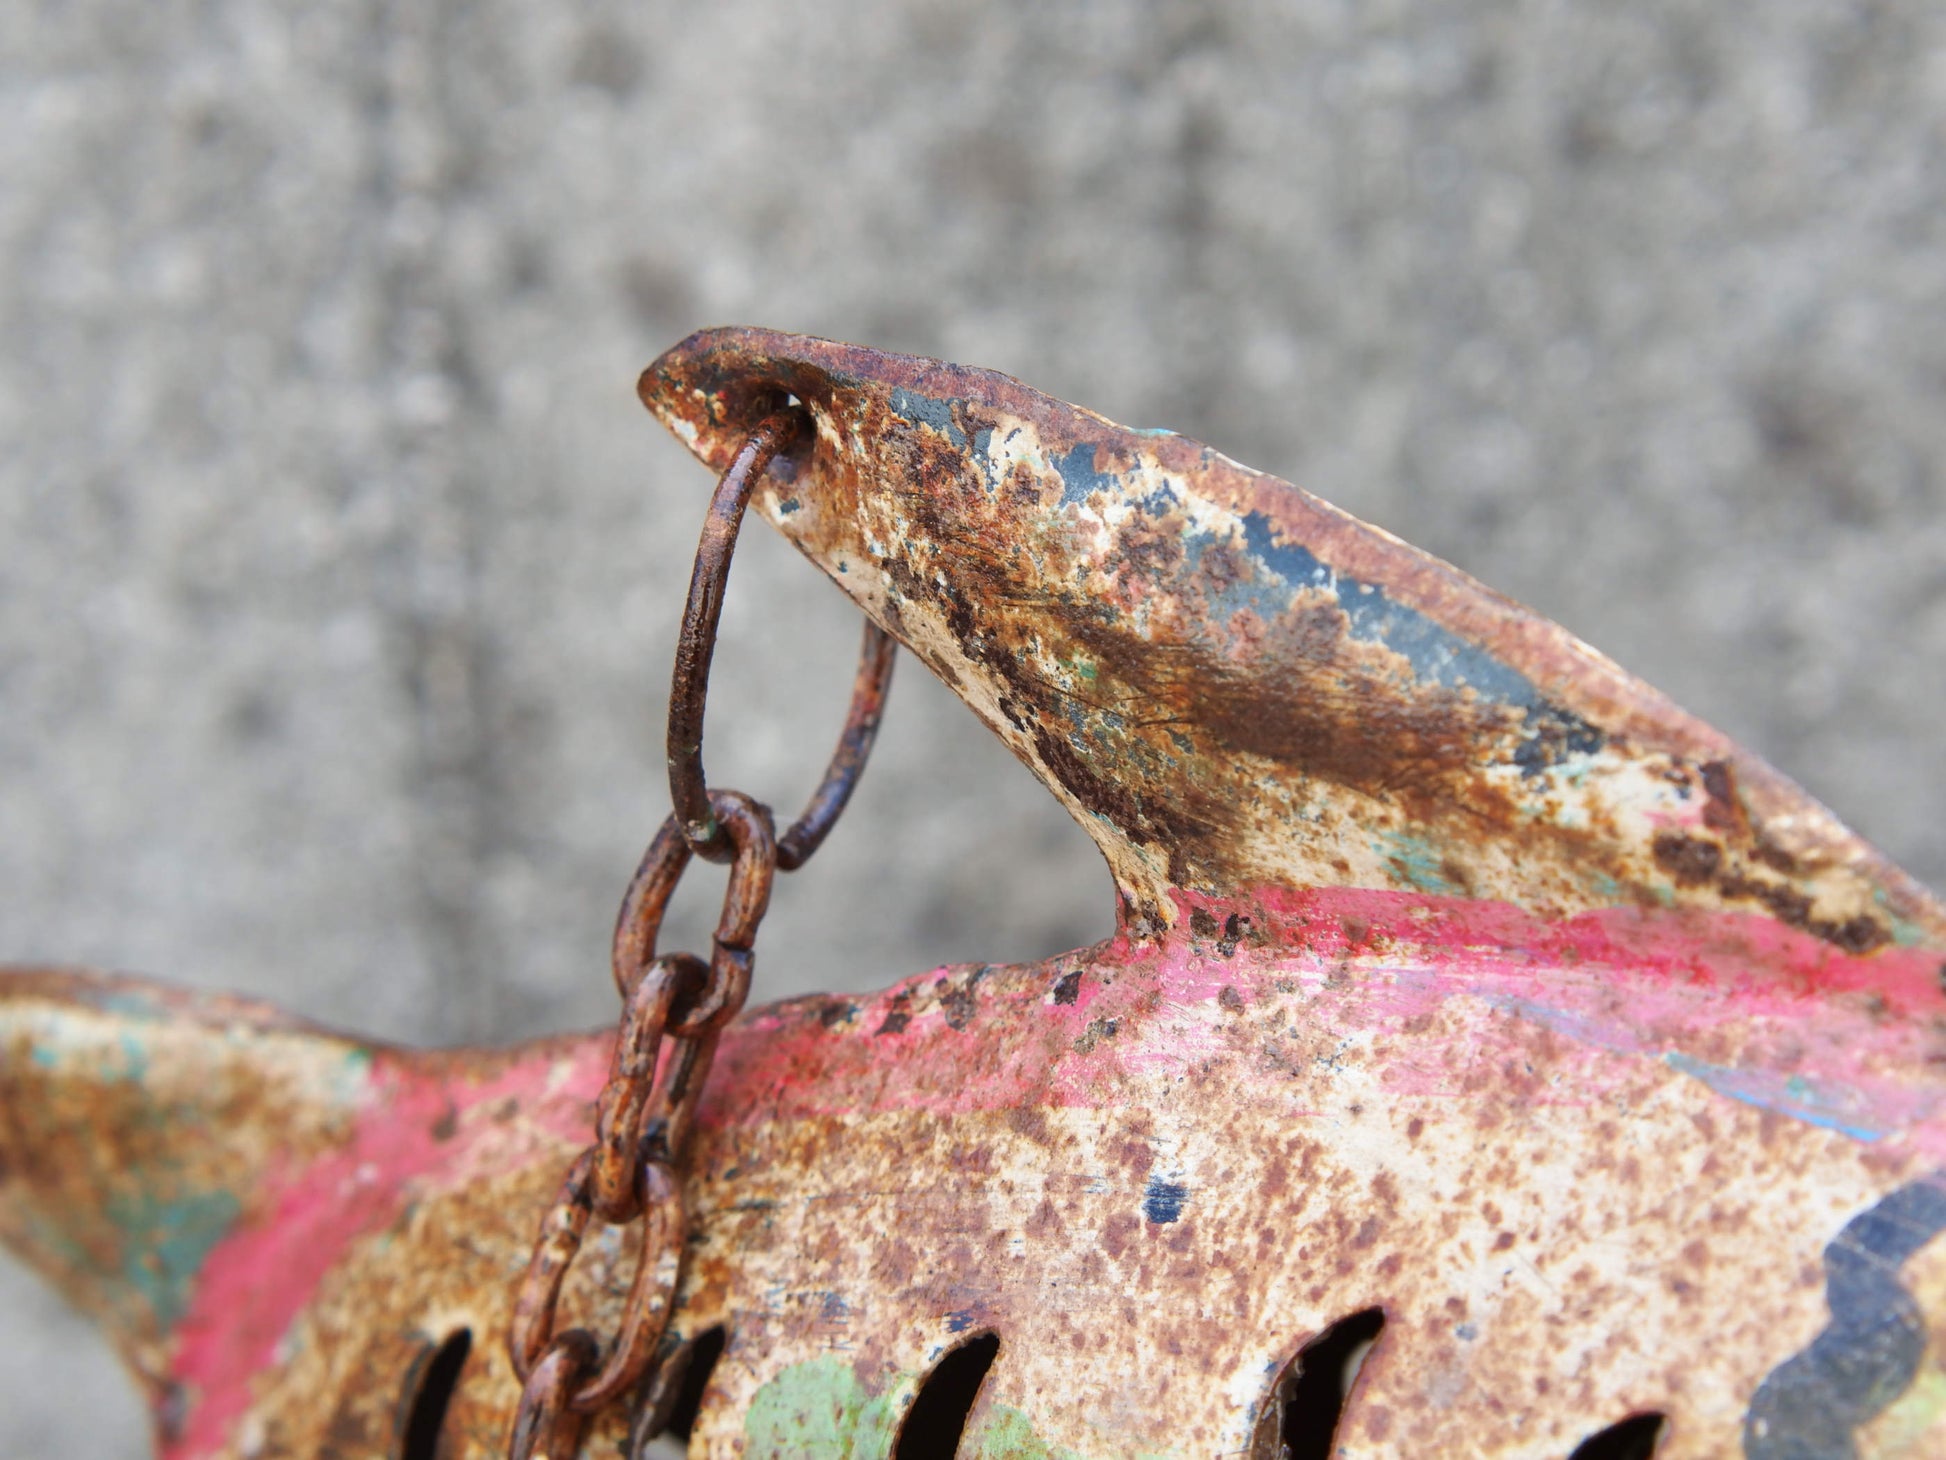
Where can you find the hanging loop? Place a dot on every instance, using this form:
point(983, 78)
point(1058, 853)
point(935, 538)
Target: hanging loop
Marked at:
point(696, 647)
point(868, 690)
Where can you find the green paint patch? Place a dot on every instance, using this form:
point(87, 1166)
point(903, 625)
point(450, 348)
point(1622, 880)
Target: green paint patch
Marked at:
point(1905, 934)
point(1605, 887)
point(135, 1059)
point(1911, 1421)
point(1009, 1434)
point(352, 1077)
point(818, 1409)
point(165, 1243)
point(1418, 863)
point(133, 1004)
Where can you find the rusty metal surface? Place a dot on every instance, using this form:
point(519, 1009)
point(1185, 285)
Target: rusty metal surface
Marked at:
point(1231, 683)
point(1458, 975)
point(696, 647)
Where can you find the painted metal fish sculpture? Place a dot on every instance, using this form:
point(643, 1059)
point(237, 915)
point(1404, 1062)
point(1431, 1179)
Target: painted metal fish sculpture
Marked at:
point(1468, 999)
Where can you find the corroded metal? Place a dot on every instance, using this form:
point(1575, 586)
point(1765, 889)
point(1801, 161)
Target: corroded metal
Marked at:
point(696, 646)
point(1458, 975)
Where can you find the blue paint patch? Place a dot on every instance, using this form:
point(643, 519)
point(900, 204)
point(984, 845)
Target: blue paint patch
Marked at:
point(1163, 1201)
point(1574, 1026)
point(1436, 654)
point(1812, 1405)
point(982, 453)
point(909, 405)
point(1554, 735)
point(1079, 479)
point(1795, 1097)
point(961, 1321)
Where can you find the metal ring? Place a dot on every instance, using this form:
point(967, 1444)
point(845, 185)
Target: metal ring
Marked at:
point(532, 1329)
point(545, 1425)
point(696, 646)
point(656, 1402)
point(677, 1095)
point(651, 1295)
point(625, 1098)
point(869, 687)
point(746, 824)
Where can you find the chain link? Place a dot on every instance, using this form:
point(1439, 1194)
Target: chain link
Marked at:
point(546, 1428)
point(696, 647)
point(674, 1006)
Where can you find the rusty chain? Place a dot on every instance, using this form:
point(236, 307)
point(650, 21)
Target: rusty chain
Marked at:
point(673, 1007)
point(688, 693)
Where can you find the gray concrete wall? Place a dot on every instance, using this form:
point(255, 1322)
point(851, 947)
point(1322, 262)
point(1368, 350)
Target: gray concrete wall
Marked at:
point(340, 565)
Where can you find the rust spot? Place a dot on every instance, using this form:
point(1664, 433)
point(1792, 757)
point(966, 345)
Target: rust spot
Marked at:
point(1045, 1224)
point(1855, 935)
point(1097, 1030)
point(1690, 860)
point(1028, 1121)
point(1723, 811)
point(1116, 1234)
point(1230, 999)
point(897, 1015)
point(1234, 927)
point(957, 1002)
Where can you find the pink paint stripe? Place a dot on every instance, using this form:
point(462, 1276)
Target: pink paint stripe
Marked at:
point(1705, 985)
point(260, 1278)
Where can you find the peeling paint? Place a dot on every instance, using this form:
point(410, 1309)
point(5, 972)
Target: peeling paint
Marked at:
point(1456, 974)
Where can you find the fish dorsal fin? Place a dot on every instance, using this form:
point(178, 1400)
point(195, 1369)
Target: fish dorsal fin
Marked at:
point(1232, 684)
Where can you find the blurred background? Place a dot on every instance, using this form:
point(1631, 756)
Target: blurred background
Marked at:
point(339, 567)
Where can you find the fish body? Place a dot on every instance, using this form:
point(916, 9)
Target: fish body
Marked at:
point(1457, 976)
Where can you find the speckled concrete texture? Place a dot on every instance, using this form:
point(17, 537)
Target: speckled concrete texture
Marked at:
point(340, 566)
